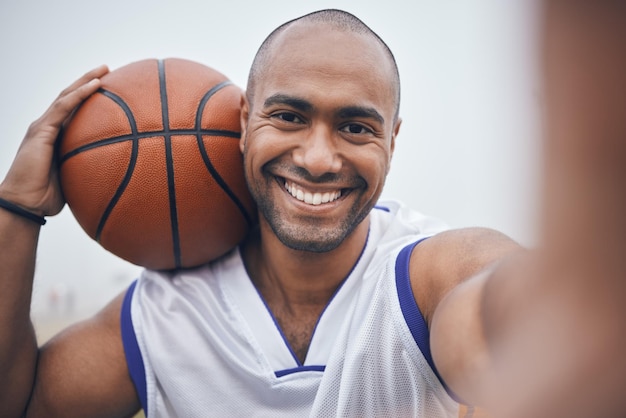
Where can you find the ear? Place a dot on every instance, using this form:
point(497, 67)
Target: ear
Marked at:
point(243, 121)
point(392, 146)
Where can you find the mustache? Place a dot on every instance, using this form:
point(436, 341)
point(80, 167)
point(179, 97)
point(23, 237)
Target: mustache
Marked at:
point(304, 174)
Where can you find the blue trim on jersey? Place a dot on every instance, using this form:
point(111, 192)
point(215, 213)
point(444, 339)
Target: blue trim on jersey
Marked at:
point(380, 207)
point(134, 360)
point(280, 331)
point(411, 312)
point(281, 373)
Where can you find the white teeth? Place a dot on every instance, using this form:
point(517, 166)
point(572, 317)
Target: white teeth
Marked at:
point(310, 198)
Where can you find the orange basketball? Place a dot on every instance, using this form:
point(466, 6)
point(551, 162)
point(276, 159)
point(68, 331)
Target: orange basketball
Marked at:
point(150, 164)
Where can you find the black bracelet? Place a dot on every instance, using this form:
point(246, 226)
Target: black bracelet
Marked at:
point(12, 207)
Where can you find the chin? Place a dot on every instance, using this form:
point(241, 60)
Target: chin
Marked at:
point(310, 239)
point(311, 246)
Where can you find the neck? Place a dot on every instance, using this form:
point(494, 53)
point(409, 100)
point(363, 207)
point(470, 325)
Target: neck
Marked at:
point(294, 278)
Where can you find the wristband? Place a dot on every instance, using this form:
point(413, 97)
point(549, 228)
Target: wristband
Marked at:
point(12, 207)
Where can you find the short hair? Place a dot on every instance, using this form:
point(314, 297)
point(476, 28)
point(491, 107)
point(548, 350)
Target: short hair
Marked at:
point(337, 19)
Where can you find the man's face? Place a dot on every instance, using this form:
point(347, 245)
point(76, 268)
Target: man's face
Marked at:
point(318, 137)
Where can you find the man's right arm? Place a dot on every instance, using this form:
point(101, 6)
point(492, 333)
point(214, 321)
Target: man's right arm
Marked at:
point(18, 346)
point(81, 372)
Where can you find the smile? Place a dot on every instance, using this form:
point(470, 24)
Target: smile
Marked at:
point(311, 198)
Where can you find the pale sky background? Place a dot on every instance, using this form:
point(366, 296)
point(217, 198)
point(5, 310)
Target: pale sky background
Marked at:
point(468, 150)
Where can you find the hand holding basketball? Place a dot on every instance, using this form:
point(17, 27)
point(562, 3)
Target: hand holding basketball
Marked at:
point(31, 182)
point(151, 168)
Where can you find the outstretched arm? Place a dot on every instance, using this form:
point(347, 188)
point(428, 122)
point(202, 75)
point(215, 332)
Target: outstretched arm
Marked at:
point(549, 325)
point(575, 364)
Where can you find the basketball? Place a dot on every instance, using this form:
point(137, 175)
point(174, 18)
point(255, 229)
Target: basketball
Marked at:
point(150, 165)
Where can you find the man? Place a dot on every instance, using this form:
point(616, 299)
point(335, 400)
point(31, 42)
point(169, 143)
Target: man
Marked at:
point(334, 306)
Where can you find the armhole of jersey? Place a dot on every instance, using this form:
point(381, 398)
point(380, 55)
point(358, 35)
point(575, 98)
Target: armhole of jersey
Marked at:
point(411, 312)
point(134, 360)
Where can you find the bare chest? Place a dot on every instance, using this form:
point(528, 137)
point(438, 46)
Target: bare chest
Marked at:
point(297, 330)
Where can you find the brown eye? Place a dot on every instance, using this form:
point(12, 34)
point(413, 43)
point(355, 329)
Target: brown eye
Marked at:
point(355, 128)
point(288, 117)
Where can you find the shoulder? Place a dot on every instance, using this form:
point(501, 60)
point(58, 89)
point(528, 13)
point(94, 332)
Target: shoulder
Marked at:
point(394, 214)
point(83, 370)
point(206, 274)
point(440, 263)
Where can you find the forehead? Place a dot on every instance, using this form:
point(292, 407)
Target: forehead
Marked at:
point(307, 58)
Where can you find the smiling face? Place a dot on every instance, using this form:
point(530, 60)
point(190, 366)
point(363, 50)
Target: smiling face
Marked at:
point(318, 134)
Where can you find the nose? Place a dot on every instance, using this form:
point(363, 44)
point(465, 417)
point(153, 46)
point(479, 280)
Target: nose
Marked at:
point(318, 153)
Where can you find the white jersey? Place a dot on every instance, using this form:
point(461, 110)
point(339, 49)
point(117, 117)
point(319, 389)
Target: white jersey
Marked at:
point(203, 343)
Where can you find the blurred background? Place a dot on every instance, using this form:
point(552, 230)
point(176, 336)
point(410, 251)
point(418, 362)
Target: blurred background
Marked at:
point(468, 150)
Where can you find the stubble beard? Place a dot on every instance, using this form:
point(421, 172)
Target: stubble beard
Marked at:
point(308, 234)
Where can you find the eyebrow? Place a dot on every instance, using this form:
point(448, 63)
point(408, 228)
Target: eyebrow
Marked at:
point(295, 102)
point(361, 112)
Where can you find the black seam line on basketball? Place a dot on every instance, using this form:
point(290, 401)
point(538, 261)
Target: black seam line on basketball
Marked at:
point(206, 98)
point(169, 163)
point(150, 134)
point(131, 164)
point(207, 160)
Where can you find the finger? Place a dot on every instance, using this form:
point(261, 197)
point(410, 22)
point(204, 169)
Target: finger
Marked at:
point(88, 76)
point(47, 127)
point(65, 105)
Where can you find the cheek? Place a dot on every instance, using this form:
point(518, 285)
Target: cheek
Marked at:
point(260, 149)
point(374, 164)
